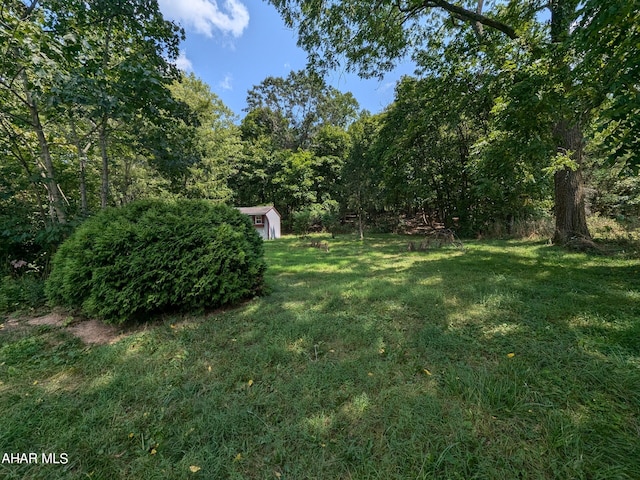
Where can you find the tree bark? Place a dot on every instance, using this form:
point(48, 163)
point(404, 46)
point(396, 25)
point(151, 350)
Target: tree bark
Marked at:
point(41, 199)
point(47, 170)
point(82, 162)
point(477, 26)
point(56, 207)
point(104, 189)
point(102, 136)
point(570, 211)
point(462, 13)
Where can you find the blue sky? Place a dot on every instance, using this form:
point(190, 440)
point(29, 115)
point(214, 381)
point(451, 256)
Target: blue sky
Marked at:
point(235, 44)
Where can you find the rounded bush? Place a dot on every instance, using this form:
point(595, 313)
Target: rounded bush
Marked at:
point(152, 256)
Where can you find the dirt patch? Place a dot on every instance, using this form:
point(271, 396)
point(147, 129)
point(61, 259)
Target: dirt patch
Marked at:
point(92, 332)
point(53, 319)
point(96, 332)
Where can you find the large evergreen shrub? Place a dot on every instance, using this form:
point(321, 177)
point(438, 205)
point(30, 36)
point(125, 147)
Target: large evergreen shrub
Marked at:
point(152, 256)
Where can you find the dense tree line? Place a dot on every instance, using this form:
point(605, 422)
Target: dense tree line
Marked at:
point(525, 109)
point(572, 61)
point(94, 113)
point(83, 90)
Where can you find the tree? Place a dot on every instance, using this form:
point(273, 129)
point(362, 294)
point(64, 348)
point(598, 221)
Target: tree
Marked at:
point(331, 148)
point(371, 39)
point(261, 134)
point(83, 95)
point(296, 107)
point(29, 58)
point(216, 147)
point(117, 66)
point(294, 181)
point(361, 170)
point(294, 144)
point(425, 146)
point(78, 71)
point(608, 46)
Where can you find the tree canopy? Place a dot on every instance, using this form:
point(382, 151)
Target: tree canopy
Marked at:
point(517, 110)
point(370, 40)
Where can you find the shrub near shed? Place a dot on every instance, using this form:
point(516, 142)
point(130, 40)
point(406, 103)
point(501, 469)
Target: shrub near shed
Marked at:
point(152, 256)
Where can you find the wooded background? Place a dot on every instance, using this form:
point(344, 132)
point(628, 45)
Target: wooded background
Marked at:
point(517, 111)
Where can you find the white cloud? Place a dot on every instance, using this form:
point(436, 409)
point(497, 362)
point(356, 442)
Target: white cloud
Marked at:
point(387, 86)
point(225, 84)
point(183, 63)
point(205, 16)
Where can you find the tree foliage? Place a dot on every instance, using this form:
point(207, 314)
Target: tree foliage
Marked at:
point(361, 188)
point(210, 147)
point(295, 143)
point(80, 72)
point(370, 39)
point(92, 113)
point(608, 45)
point(296, 107)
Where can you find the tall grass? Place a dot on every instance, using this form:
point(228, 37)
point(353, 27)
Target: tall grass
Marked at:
point(530, 229)
point(610, 233)
point(509, 359)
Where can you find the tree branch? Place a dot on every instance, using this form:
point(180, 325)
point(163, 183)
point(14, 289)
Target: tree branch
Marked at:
point(477, 26)
point(461, 13)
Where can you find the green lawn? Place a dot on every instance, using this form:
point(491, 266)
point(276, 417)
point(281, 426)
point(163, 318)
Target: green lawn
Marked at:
point(508, 360)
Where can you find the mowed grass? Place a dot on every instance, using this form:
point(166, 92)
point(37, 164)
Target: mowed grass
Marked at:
point(506, 360)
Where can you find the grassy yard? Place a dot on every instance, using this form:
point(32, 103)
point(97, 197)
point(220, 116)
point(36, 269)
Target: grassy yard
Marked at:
point(508, 360)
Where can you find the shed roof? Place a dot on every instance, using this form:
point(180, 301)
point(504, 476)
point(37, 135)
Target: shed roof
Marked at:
point(257, 210)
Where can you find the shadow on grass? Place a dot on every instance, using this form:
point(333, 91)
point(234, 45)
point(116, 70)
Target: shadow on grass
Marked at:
point(502, 361)
point(543, 337)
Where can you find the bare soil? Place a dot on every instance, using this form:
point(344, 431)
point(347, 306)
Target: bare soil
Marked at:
point(91, 332)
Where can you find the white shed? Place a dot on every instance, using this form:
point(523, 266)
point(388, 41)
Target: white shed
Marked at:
point(265, 219)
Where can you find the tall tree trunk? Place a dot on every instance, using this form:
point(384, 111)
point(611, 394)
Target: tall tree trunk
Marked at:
point(41, 199)
point(104, 189)
point(56, 207)
point(477, 26)
point(82, 163)
point(126, 183)
point(102, 136)
point(570, 212)
point(47, 171)
point(84, 205)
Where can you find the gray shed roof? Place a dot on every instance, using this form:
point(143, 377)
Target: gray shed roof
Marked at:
point(257, 210)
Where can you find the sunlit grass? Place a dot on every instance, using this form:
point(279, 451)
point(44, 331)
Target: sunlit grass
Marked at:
point(502, 360)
